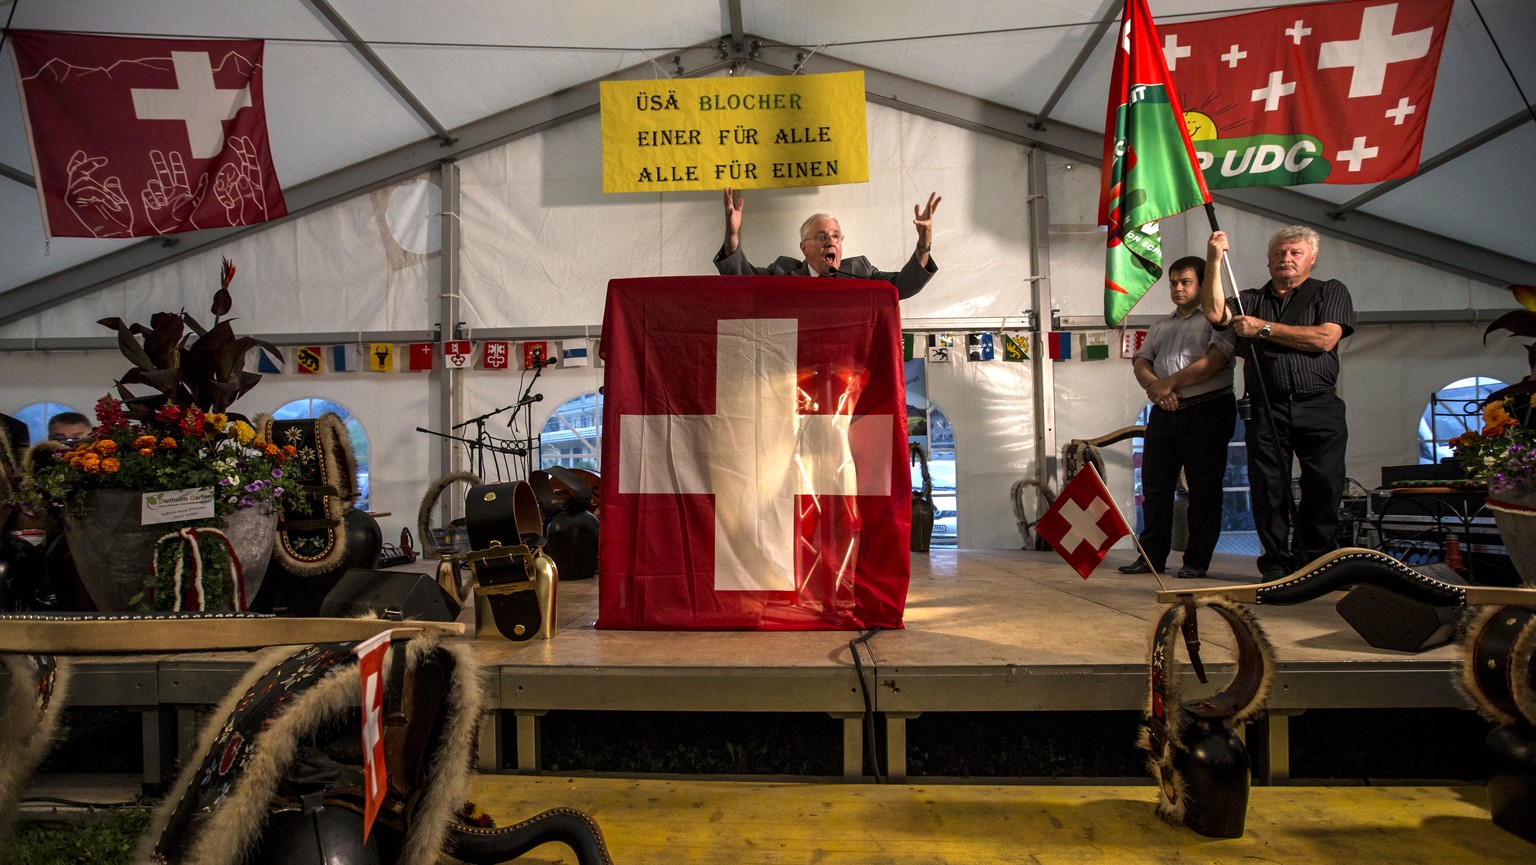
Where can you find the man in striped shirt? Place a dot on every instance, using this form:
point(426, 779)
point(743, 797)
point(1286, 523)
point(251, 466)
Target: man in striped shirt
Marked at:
point(1288, 335)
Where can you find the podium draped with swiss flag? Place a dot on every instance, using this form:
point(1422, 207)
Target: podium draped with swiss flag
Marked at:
point(754, 455)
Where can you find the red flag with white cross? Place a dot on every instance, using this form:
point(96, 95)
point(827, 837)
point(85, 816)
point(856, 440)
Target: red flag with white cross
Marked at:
point(136, 137)
point(1316, 93)
point(370, 667)
point(420, 356)
point(754, 456)
point(1083, 523)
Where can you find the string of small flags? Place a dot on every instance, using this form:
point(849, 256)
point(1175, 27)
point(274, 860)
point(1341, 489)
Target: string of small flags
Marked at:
point(490, 354)
point(1015, 346)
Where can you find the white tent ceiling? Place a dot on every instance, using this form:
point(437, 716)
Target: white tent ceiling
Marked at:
point(360, 92)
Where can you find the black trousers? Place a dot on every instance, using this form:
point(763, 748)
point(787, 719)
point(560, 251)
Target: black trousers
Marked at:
point(1312, 431)
point(1193, 439)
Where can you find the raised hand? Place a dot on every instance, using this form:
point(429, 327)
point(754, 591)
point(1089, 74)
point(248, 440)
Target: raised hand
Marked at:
point(733, 208)
point(922, 217)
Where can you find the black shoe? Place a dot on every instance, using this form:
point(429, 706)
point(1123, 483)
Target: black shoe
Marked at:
point(1273, 572)
point(1137, 567)
point(1190, 572)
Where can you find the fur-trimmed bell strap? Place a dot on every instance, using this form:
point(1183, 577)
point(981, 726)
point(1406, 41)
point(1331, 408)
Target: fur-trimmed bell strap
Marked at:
point(1497, 674)
point(1239, 701)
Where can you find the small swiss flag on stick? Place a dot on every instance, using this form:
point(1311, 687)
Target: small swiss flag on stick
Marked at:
point(1083, 523)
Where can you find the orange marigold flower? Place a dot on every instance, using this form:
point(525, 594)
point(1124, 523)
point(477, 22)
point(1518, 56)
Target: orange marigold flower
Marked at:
point(290, 450)
point(91, 468)
point(110, 465)
point(272, 451)
point(106, 446)
point(168, 444)
point(1496, 419)
point(143, 442)
point(146, 452)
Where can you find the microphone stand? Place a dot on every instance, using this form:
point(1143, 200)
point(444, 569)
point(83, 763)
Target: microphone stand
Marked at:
point(523, 402)
point(482, 439)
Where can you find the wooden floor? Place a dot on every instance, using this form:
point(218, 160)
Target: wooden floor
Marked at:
point(657, 822)
point(999, 630)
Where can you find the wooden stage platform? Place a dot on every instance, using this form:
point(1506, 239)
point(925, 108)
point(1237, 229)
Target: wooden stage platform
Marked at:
point(986, 631)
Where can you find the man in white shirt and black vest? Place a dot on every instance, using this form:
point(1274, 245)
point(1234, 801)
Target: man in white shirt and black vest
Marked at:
point(1288, 335)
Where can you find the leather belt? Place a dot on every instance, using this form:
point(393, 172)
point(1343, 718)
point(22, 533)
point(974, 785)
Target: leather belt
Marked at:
point(1292, 396)
point(1201, 399)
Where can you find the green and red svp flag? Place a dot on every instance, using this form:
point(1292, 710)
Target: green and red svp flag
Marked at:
point(1149, 164)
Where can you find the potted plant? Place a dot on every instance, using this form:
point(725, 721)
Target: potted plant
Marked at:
point(142, 496)
point(1502, 454)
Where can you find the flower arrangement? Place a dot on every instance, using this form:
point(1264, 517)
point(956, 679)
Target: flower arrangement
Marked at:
point(175, 448)
point(179, 437)
point(1502, 454)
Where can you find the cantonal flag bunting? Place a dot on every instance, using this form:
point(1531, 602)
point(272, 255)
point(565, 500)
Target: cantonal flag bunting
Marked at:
point(307, 359)
point(381, 356)
point(139, 137)
point(1318, 93)
point(755, 460)
point(494, 354)
point(420, 357)
point(1083, 523)
point(535, 352)
point(1148, 171)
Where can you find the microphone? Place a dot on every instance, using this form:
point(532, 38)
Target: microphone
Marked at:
point(527, 400)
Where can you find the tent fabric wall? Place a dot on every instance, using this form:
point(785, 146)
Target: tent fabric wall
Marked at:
point(540, 242)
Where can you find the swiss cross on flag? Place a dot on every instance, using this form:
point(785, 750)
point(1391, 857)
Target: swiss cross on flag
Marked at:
point(758, 455)
point(420, 356)
point(370, 667)
point(1083, 523)
point(1319, 93)
point(143, 137)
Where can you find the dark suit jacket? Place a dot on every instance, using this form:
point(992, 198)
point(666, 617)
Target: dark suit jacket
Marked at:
point(909, 281)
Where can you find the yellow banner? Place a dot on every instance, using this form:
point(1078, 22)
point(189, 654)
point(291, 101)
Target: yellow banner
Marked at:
point(749, 133)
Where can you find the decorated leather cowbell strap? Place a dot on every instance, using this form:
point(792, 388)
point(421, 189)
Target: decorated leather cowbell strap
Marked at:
point(1239, 701)
point(505, 527)
point(1355, 566)
point(315, 543)
point(1498, 678)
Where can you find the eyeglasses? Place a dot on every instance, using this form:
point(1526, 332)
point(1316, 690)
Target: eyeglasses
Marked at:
point(823, 237)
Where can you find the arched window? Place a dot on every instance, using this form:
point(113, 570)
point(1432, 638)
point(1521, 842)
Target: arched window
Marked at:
point(1452, 410)
point(314, 407)
point(572, 437)
point(36, 416)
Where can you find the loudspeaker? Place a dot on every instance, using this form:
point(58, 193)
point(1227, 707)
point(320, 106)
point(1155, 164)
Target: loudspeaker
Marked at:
point(364, 592)
point(1388, 620)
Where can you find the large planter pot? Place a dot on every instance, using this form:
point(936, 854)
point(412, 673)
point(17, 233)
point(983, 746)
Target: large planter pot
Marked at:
point(1515, 516)
point(113, 552)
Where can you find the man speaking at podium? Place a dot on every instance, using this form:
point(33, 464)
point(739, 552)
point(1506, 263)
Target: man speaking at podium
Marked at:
point(821, 242)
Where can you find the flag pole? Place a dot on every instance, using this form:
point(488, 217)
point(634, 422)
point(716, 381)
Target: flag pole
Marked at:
point(1258, 380)
point(1226, 263)
point(1136, 539)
